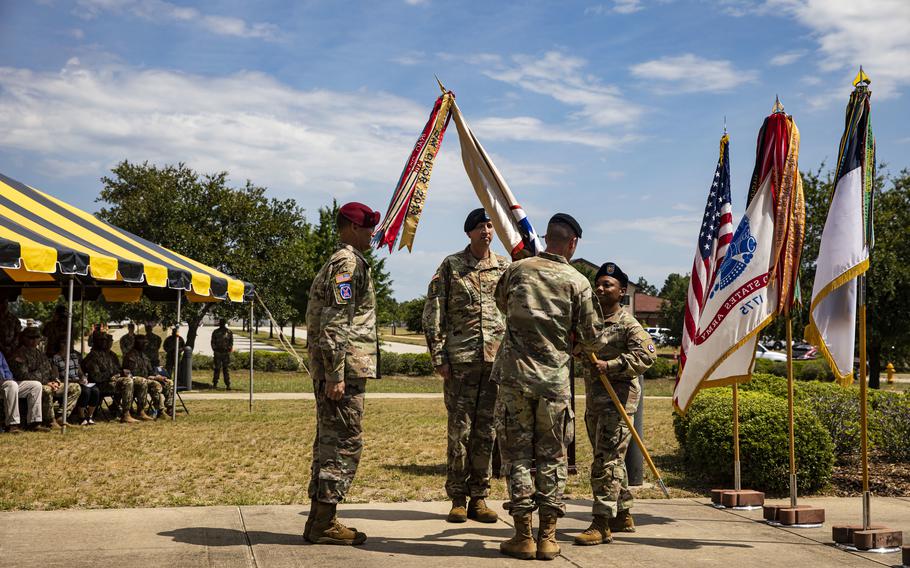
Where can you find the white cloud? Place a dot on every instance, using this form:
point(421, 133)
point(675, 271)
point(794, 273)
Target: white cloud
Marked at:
point(77, 33)
point(159, 10)
point(875, 35)
point(416, 2)
point(617, 7)
point(675, 230)
point(528, 128)
point(690, 73)
point(563, 78)
point(787, 58)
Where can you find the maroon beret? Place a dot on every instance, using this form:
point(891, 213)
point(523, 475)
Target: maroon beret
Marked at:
point(359, 214)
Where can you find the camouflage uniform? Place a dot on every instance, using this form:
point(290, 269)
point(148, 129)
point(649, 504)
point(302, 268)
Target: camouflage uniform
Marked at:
point(138, 363)
point(546, 302)
point(54, 331)
point(629, 351)
point(341, 339)
point(222, 344)
point(31, 364)
point(153, 348)
point(103, 368)
point(9, 334)
point(127, 342)
point(169, 352)
point(464, 328)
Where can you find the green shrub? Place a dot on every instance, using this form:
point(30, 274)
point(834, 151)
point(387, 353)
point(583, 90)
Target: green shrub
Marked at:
point(763, 441)
point(262, 361)
point(811, 370)
point(777, 368)
point(890, 425)
point(414, 364)
point(389, 363)
point(662, 367)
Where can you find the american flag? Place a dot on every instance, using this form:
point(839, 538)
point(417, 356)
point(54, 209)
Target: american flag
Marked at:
point(713, 239)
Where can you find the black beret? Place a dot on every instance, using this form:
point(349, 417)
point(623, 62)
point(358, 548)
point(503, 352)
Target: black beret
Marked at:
point(610, 269)
point(569, 220)
point(474, 218)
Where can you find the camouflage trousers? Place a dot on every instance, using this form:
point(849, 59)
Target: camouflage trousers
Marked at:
point(534, 432)
point(339, 438)
point(470, 398)
point(48, 397)
point(610, 439)
point(120, 389)
point(140, 392)
point(221, 361)
point(155, 391)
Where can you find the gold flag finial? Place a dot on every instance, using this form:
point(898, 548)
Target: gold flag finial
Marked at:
point(778, 106)
point(441, 86)
point(861, 77)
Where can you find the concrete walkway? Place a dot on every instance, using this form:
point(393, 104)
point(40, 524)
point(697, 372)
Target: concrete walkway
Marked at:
point(245, 395)
point(672, 533)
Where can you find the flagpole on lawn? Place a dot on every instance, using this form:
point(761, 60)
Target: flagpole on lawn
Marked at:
point(789, 316)
point(863, 415)
point(737, 480)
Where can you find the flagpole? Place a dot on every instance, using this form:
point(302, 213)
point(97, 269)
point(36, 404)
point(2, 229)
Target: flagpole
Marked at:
point(863, 415)
point(737, 480)
point(790, 409)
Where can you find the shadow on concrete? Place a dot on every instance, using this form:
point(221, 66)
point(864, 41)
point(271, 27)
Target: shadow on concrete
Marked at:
point(679, 543)
point(345, 513)
point(641, 519)
point(418, 469)
point(216, 536)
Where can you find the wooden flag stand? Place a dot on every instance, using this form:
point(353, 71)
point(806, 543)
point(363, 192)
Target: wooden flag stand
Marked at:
point(793, 515)
point(866, 537)
point(736, 498)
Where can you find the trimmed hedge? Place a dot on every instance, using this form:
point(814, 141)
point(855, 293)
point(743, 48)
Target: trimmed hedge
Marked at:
point(413, 364)
point(662, 367)
point(889, 425)
point(262, 361)
point(811, 370)
point(707, 439)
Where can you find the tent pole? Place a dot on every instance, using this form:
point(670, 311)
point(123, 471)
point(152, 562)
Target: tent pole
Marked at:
point(251, 355)
point(176, 357)
point(69, 343)
point(82, 323)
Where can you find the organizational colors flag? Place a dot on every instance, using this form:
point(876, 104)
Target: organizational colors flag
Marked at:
point(713, 239)
point(846, 239)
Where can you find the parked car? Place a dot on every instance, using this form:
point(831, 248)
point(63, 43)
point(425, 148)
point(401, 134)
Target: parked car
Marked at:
point(660, 335)
point(762, 352)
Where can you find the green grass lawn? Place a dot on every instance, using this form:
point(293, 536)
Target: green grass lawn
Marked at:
point(221, 454)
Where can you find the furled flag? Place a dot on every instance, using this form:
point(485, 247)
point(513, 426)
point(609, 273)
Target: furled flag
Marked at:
point(510, 221)
point(843, 254)
point(713, 239)
point(411, 191)
point(758, 268)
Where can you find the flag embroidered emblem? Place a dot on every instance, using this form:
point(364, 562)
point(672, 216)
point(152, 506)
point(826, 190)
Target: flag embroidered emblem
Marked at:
point(738, 257)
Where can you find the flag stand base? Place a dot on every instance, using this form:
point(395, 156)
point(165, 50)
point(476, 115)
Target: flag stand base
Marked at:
point(876, 538)
point(799, 517)
point(741, 499)
point(906, 555)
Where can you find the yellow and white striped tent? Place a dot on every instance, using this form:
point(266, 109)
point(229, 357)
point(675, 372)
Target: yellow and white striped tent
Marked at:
point(45, 241)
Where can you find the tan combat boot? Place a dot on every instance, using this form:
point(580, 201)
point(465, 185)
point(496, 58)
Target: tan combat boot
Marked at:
point(597, 533)
point(478, 510)
point(522, 545)
point(126, 418)
point(144, 416)
point(326, 529)
point(458, 513)
point(622, 522)
point(547, 549)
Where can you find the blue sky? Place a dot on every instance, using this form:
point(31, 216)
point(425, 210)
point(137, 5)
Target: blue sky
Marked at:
point(610, 111)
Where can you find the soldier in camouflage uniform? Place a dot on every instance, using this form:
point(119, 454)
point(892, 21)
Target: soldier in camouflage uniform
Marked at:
point(169, 354)
point(222, 345)
point(341, 339)
point(29, 363)
point(103, 368)
point(128, 339)
point(54, 331)
point(547, 303)
point(141, 368)
point(9, 329)
point(464, 328)
point(152, 344)
point(627, 353)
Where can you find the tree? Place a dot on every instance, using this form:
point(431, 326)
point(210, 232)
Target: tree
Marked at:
point(237, 231)
point(674, 291)
point(412, 314)
point(645, 287)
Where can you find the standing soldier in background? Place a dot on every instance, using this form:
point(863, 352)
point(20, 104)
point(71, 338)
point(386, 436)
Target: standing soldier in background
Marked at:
point(464, 328)
point(152, 344)
point(222, 345)
point(170, 354)
point(9, 329)
point(55, 330)
point(341, 339)
point(547, 304)
point(628, 351)
point(103, 368)
point(128, 339)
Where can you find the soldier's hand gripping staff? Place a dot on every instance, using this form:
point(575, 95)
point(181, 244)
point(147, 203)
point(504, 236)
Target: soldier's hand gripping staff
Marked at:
point(341, 338)
point(546, 302)
point(464, 328)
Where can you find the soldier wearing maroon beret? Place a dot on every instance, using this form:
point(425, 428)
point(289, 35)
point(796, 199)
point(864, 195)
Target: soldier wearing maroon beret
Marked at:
point(341, 339)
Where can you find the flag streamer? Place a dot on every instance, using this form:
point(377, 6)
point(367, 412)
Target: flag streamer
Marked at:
point(410, 193)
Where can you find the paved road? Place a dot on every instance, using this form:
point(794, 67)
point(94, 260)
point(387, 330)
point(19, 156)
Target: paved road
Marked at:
point(671, 533)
